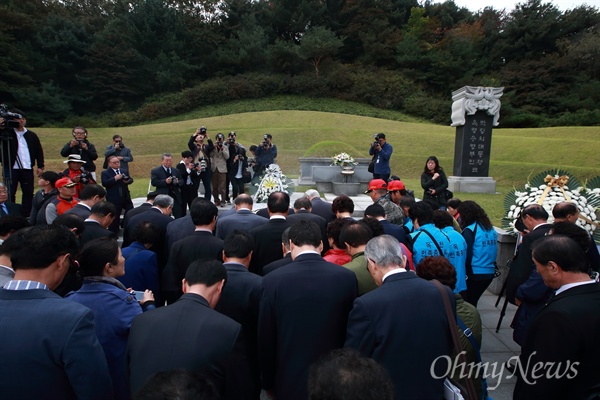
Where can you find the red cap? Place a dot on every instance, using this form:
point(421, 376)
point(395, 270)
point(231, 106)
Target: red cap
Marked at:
point(376, 184)
point(62, 182)
point(395, 185)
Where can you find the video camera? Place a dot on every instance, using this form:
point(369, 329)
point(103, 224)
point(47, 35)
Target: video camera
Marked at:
point(9, 117)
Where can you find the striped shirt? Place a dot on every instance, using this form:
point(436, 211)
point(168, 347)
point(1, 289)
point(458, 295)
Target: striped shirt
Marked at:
point(24, 285)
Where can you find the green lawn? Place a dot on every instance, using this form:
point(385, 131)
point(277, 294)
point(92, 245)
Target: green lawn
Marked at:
point(516, 154)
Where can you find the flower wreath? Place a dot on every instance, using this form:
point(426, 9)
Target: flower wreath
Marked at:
point(552, 187)
point(272, 181)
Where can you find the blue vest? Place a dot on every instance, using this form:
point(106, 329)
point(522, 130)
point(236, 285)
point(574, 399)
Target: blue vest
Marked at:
point(457, 254)
point(485, 249)
point(423, 246)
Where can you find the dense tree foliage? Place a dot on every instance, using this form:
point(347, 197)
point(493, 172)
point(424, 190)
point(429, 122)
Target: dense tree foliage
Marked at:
point(62, 59)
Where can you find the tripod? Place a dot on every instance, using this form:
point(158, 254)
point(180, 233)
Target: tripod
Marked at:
point(503, 310)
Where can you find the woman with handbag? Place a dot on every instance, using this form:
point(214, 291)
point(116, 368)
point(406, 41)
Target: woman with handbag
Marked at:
point(482, 249)
point(435, 183)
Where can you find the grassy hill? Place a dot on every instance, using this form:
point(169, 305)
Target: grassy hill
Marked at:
point(516, 154)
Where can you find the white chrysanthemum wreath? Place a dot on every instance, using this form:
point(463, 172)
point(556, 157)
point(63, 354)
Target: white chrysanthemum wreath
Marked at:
point(273, 180)
point(550, 188)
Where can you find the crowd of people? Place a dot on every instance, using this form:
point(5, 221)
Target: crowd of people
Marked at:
point(298, 301)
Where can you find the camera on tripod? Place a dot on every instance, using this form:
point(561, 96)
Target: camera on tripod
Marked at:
point(9, 117)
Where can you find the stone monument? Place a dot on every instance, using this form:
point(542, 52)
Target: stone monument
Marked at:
point(475, 111)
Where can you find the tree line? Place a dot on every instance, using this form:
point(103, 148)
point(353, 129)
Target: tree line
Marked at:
point(63, 59)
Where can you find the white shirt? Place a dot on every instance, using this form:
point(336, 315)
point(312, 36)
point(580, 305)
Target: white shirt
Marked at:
point(23, 161)
point(572, 285)
point(392, 272)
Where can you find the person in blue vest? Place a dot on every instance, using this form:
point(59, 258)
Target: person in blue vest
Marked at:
point(428, 241)
point(456, 253)
point(381, 151)
point(482, 249)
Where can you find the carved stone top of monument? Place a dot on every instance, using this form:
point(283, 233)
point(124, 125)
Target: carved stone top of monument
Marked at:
point(470, 99)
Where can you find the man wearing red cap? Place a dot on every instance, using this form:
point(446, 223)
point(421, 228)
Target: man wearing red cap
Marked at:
point(396, 191)
point(63, 202)
point(377, 190)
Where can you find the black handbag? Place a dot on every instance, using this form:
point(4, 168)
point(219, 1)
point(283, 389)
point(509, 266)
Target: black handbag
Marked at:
point(448, 194)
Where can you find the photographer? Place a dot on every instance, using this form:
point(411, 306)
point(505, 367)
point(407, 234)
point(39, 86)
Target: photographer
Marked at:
point(235, 149)
point(190, 174)
point(168, 181)
point(201, 146)
point(77, 173)
point(21, 150)
point(119, 150)
point(218, 161)
point(81, 146)
point(266, 153)
point(381, 151)
point(117, 181)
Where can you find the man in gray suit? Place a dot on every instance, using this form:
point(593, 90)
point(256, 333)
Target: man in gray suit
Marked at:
point(243, 219)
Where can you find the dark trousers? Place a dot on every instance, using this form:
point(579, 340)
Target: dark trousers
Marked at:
point(188, 194)
point(24, 178)
point(206, 179)
point(122, 207)
point(476, 285)
point(237, 186)
point(385, 177)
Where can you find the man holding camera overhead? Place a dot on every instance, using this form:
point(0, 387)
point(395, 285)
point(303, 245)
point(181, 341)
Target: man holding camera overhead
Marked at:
point(190, 173)
point(167, 180)
point(218, 161)
point(381, 151)
point(266, 153)
point(82, 146)
point(119, 150)
point(201, 146)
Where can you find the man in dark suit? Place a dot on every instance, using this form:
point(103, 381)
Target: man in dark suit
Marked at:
point(303, 212)
point(8, 208)
point(168, 180)
point(267, 237)
point(96, 226)
point(243, 219)
point(190, 174)
point(287, 254)
point(320, 207)
point(51, 350)
point(303, 314)
point(159, 216)
point(378, 212)
point(561, 356)
point(200, 339)
point(90, 195)
point(201, 243)
point(241, 296)
point(145, 206)
point(117, 184)
point(534, 218)
point(406, 343)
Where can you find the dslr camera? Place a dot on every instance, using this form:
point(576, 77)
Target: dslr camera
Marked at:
point(264, 143)
point(9, 117)
point(202, 164)
point(85, 177)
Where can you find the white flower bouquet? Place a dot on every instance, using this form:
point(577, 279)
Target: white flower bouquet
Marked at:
point(550, 188)
point(343, 159)
point(272, 181)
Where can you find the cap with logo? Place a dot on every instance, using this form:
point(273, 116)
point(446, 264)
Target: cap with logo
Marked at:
point(376, 184)
point(64, 182)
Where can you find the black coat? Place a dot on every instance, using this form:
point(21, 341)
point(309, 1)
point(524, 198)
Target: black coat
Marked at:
point(323, 209)
point(267, 243)
point(565, 331)
point(189, 335)
point(94, 230)
point(303, 316)
point(522, 266)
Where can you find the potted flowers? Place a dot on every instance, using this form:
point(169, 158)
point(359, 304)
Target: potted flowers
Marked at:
point(344, 160)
